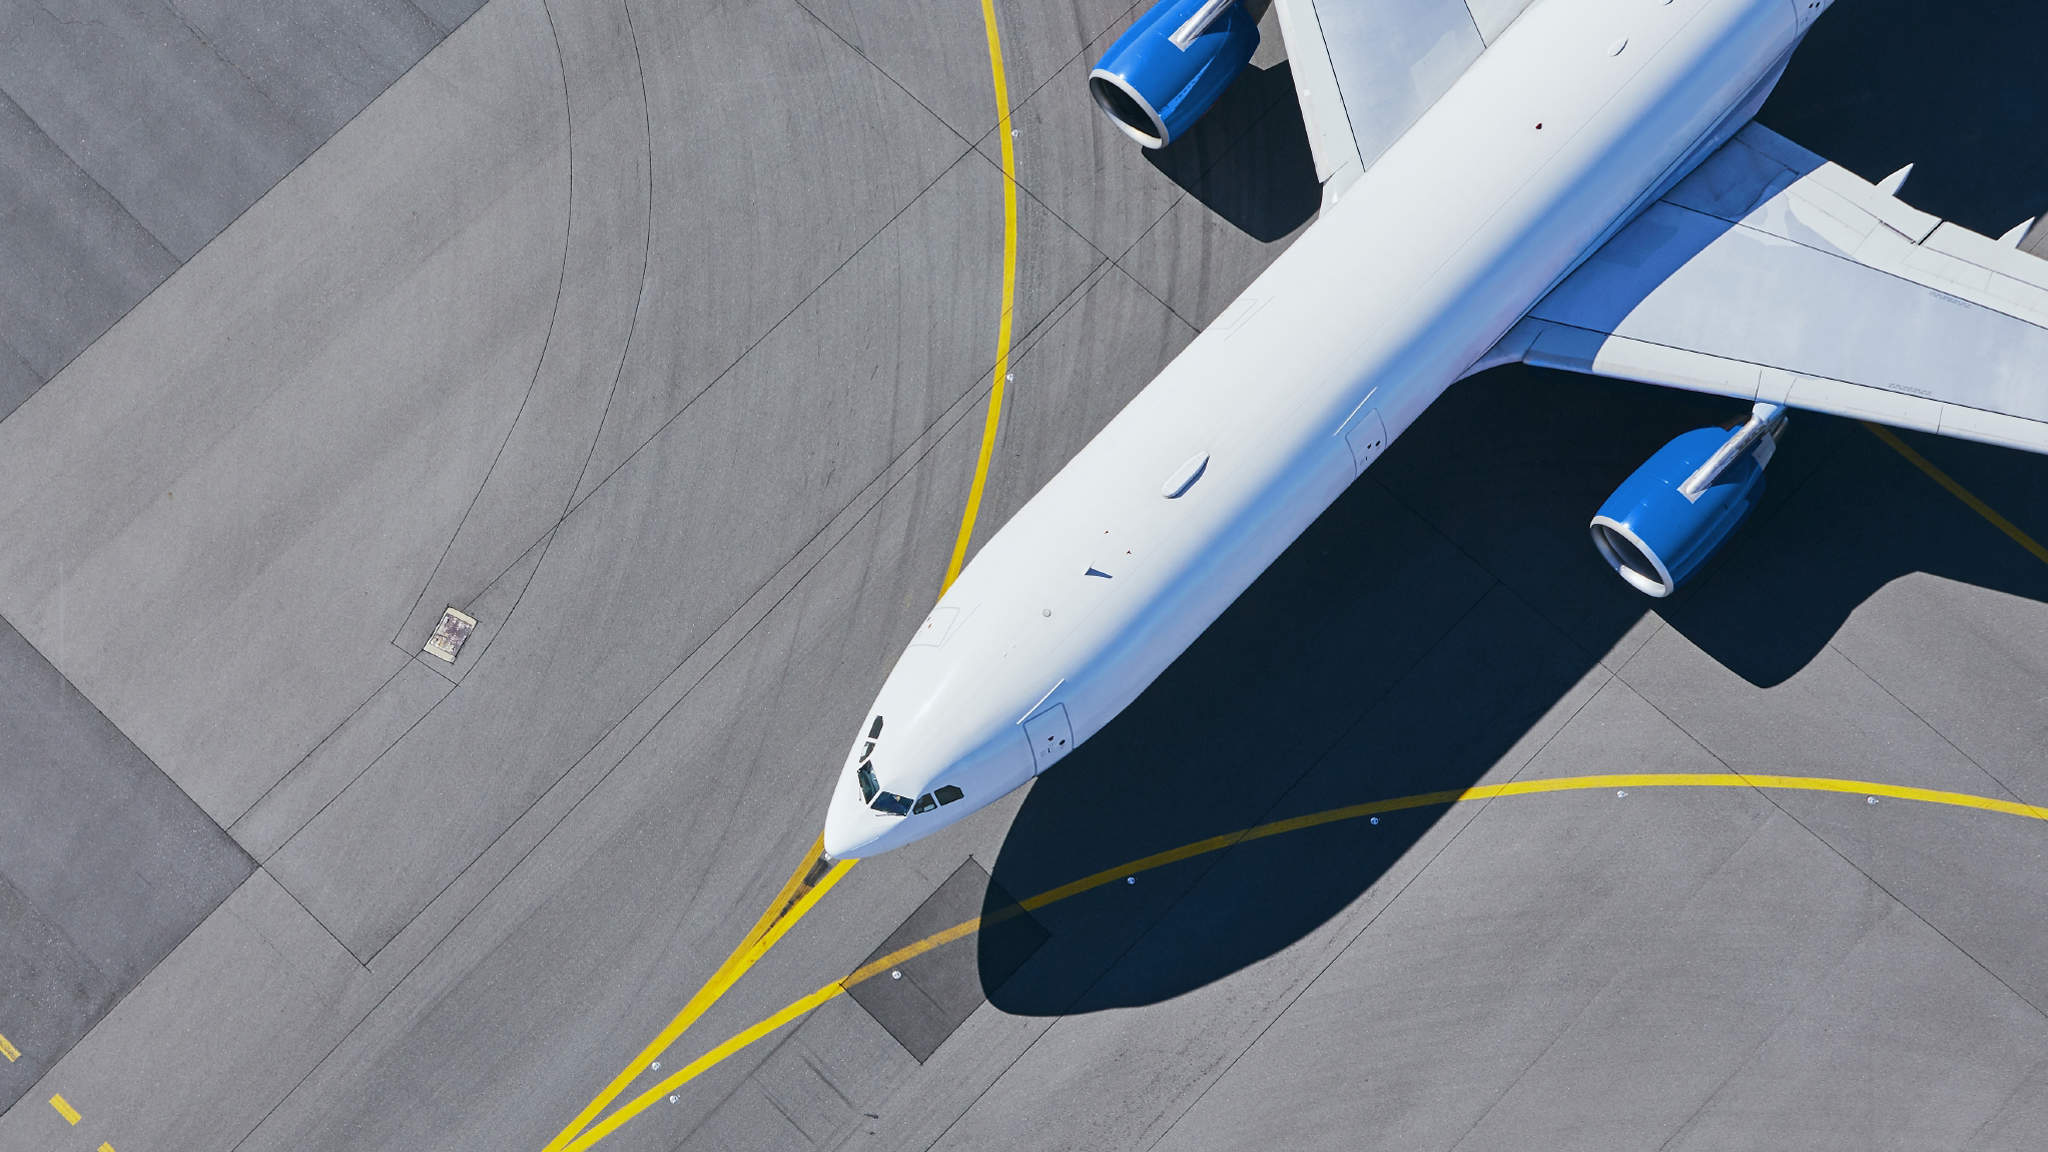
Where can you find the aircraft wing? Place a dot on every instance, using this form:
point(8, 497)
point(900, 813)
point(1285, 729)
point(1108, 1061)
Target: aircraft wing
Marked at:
point(1366, 72)
point(1769, 274)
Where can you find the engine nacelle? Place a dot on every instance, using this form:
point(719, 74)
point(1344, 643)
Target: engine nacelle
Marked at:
point(1169, 67)
point(1667, 518)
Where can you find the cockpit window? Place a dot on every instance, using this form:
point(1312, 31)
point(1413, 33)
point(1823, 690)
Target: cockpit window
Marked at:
point(868, 784)
point(946, 794)
point(925, 803)
point(875, 729)
point(891, 803)
point(868, 751)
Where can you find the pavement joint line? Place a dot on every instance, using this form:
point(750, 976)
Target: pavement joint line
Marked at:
point(245, 209)
point(799, 894)
point(547, 339)
point(1110, 876)
point(1969, 498)
point(777, 920)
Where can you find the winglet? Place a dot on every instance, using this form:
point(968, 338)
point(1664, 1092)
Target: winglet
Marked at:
point(2019, 231)
point(1891, 184)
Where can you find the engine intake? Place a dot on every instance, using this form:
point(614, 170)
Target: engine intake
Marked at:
point(1684, 502)
point(1169, 67)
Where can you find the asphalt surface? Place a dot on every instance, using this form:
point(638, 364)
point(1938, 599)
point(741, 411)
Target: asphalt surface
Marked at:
point(658, 338)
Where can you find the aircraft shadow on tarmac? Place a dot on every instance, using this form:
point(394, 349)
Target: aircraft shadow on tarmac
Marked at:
point(1248, 160)
point(1430, 618)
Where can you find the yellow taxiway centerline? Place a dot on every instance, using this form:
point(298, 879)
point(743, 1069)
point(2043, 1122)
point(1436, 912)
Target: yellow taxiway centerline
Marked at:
point(995, 396)
point(1107, 876)
point(773, 923)
point(769, 928)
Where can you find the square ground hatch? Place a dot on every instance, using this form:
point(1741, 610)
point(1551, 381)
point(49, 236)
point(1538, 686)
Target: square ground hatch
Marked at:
point(922, 1000)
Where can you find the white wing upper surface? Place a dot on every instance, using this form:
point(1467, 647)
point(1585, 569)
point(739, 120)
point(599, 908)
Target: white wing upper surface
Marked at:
point(1366, 72)
point(1769, 274)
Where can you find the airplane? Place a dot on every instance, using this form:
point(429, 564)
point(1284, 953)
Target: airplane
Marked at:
point(1572, 184)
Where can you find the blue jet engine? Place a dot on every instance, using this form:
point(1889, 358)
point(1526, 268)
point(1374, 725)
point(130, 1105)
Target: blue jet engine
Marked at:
point(1169, 67)
point(1664, 521)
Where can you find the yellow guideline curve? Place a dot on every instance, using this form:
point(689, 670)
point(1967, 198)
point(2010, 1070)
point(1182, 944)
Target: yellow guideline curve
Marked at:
point(990, 422)
point(761, 937)
point(769, 928)
point(1109, 876)
point(1956, 490)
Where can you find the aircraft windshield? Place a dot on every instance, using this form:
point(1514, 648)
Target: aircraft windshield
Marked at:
point(891, 803)
point(868, 784)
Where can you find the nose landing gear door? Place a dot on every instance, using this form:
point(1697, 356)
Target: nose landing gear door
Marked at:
point(1050, 735)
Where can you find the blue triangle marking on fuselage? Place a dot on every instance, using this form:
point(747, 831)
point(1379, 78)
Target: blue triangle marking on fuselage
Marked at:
point(1097, 572)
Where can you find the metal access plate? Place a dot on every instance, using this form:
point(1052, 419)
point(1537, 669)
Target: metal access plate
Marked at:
point(923, 999)
point(454, 628)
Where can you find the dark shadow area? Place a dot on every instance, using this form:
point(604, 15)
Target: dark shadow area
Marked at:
point(1953, 88)
point(1422, 631)
point(1248, 159)
point(923, 998)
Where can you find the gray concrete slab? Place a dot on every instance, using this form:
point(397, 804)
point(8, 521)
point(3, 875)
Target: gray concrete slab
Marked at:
point(186, 113)
point(104, 864)
point(337, 760)
point(1540, 972)
point(777, 154)
point(18, 381)
point(77, 259)
point(1908, 1045)
point(2017, 1123)
point(1500, 972)
point(787, 447)
point(635, 883)
point(216, 515)
point(938, 51)
point(604, 267)
point(136, 129)
point(491, 608)
point(54, 993)
point(320, 65)
point(170, 1067)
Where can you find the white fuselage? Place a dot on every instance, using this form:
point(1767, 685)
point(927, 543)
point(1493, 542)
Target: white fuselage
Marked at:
point(1575, 119)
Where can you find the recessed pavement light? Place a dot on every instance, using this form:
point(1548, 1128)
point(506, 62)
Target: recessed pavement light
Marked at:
point(896, 974)
point(1618, 795)
point(1870, 799)
point(1375, 820)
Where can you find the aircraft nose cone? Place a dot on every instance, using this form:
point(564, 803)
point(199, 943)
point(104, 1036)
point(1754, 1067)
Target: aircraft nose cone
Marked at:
point(848, 826)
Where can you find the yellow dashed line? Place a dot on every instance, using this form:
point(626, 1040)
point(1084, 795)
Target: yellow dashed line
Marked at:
point(1956, 490)
point(995, 397)
point(65, 1109)
point(1107, 876)
point(105, 1147)
point(8, 1050)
